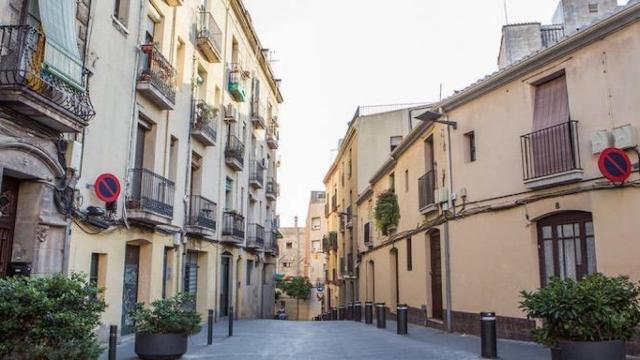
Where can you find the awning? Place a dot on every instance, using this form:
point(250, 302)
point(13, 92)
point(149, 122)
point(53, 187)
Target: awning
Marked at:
point(61, 55)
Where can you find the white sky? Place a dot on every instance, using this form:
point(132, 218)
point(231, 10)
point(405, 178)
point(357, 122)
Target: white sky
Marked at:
point(334, 55)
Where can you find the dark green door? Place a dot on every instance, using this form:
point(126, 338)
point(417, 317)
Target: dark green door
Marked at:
point(130, 286)
point(191, 276)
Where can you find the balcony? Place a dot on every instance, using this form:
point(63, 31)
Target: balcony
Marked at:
point(205, 123)
point(427, 192)
point(368, 235)
point(209, 38)
point(29, 89)
point(348, 218)
point(201, 220)
point(151, 198)
point(330, 242)
point(236, 83)
point(156, 80)
point(232, 227)
point(234, 153)
point(273, 136)
point(258, 112)
point(272, 190)
point(256, 174)
point(255, 237)
point(551, 156)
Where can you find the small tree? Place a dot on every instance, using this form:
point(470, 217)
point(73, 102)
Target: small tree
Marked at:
point(298, 288)
point(387, 211)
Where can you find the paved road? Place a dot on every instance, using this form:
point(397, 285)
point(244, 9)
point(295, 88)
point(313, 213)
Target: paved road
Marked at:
point(284, 340)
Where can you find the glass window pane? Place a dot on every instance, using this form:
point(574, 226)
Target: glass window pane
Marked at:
point(546, 232)
point(559, 231)
point(561, 272)
point(567, 230)
point(578, 251)
point(548, 259)
point(576, 229)
point(591, 255)
point(570, 259)
point(588, 228)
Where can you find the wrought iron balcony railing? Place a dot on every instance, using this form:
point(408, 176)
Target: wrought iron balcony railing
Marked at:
point(272, 189)
point(21, 69)
point(258, 113)
point(550, 151)
point(202, 212)
point(209, 37)
point(151, 192)
point(273, 136)
point(256, 235)
point(234, 150)
point(233, 224)
point(158, 71)
point(427, 190)
point(205, 122)
point(256, 173)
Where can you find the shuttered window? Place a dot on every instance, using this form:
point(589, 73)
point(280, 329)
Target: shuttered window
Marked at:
point(551, 103)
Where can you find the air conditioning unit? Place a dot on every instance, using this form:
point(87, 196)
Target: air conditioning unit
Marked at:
point(231, 113)
point(442, 195)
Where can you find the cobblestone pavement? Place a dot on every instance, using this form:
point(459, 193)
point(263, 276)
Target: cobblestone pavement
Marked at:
point(283, 340)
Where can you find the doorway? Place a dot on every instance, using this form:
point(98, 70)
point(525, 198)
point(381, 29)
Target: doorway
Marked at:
point(191, 276)
point(8, 206)
point(130, 286)
point(224, 285)
point(436, 276)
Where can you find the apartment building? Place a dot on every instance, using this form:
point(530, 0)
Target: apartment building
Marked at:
point(314, 258)
point(373, 133)
point(499, 187)
point(291, 245)
point(147, 134)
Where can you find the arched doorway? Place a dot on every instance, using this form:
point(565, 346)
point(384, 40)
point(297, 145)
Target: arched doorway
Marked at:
point(566, 244)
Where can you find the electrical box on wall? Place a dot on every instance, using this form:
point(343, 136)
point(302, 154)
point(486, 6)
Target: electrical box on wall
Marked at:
point(625, 137)
point(600, 140)
point(73, 155)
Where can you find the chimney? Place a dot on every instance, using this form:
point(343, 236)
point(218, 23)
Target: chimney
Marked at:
point(578, 14)
point(518, 41)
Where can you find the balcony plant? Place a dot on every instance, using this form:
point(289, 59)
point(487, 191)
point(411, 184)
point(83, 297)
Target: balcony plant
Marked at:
point(162, 330)
point(587, 319)
point(387, 212)
point(205, 114)
point(49, 318)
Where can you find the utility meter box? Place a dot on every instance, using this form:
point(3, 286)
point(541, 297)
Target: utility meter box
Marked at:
point(73, 155)
point(625, 137)
point(600, 140)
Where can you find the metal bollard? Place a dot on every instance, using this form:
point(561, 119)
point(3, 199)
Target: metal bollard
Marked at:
point(489, 345)
point(382, 316)
point(210, 328)
point(368, 312)
point(231, 321)
point(341, 312)
point(402, 319)
point(357, 311)
point(334, 314)
point(349, 311)
point(113, 341)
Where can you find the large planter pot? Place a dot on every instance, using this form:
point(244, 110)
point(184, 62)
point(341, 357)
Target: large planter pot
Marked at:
point(160, 346)
point(597, 350)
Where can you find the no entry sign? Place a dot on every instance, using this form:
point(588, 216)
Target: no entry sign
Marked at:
point(615, 165)
point(107, 187)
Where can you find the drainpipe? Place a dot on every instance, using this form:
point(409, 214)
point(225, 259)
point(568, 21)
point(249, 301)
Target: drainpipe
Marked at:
point(447, 246)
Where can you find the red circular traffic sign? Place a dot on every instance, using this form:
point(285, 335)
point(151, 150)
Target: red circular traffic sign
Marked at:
point(615, 165)
point(107, 187)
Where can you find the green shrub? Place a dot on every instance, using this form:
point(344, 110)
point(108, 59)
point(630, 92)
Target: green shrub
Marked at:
point(49, 318)
point(174, 315)
point(387, 211)
point(596, 308)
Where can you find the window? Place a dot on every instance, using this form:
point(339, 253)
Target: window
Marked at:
point(316, 246)
point(289, 245)
point(409, 255)
point(249, 271)
point(470, 138)
point(173, 159)
point(121, 11)
point(394, 142)
point(97, 274)
point(392, 182)
point(566, 246)
point(315, 223)
point(593, 8)
point(406, 180)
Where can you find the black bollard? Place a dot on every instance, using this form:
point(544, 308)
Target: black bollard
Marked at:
point(113, 341)
point(368, 312)
point(489, 345)
point(334, 314)
point(349, 311)
point(357, 311)
point(231, 321)
point(210, 328)
point(382, 316)
point(402, 319)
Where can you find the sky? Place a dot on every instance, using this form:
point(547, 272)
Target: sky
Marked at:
point(333, 55)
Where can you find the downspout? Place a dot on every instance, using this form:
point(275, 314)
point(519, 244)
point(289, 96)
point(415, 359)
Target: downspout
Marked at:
point(447, 246)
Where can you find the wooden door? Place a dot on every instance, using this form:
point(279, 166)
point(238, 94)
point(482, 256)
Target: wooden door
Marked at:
point(130, 286)
point(224, 287)
point(191, 276)
point(8, 206)
point(436, 277)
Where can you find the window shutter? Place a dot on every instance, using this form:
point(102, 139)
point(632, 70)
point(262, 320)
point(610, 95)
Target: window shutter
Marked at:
point(551, 104)
point(61, 57)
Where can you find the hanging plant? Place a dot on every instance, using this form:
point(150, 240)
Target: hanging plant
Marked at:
point(387, 211)
point(206, 113)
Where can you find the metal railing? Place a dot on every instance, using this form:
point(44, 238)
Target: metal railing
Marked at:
point(258, 110)
point(234, 149)
point(158, 71)
point(151, 192)
point(209, 29)
point(202, 212)
point(233, 224)
point(550, 151)
point(551, 34)
point(21, 65)
point(272, 188)
point(256, 234)
point(205, 118)
point(427, 189)
point(256, 172)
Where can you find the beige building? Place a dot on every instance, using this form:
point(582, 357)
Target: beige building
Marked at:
point(178, 101)
point(499, 187)
point(291, 247)
point(314, 258)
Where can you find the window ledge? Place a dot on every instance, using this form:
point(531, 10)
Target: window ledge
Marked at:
point(429, 209)
point(119, 26)
point(555, 179)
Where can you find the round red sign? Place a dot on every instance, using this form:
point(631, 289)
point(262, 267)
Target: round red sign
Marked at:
point(615, 165)
point(107, 187)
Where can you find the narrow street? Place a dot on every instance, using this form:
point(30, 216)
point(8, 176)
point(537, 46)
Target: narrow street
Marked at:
point(271, 339)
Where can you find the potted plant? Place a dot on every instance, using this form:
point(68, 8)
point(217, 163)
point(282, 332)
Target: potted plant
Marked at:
point(387, 212)
point(162, 330)
point(205, 114)
point(589, 319)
